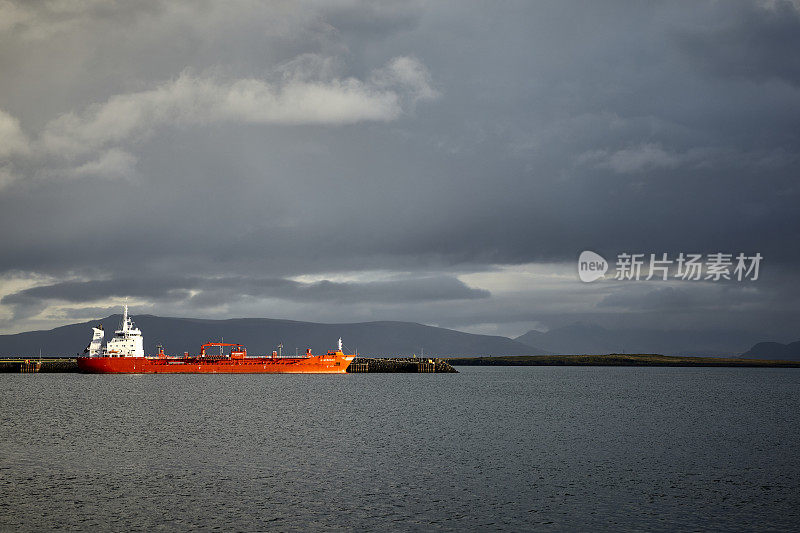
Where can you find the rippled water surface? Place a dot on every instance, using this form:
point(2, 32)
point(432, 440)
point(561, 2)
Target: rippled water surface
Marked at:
point(489, 448)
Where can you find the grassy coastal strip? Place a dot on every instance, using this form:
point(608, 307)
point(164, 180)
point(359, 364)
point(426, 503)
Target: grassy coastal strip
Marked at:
point(616, 359)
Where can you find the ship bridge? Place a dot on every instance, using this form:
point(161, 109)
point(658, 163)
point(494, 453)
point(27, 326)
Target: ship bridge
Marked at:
point(127, 340)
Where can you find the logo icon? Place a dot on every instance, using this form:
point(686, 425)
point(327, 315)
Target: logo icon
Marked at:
point(591, 266)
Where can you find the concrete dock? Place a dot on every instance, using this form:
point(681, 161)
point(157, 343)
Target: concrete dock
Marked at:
point(399, 364)
point(32, 365)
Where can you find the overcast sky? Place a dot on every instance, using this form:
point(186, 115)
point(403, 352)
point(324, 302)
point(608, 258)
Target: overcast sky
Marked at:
point(441, 162)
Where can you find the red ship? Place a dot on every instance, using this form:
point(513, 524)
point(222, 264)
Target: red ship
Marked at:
point(124, 354)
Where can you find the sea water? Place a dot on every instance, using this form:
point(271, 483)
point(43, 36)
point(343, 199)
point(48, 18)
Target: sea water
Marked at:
point(503, 448)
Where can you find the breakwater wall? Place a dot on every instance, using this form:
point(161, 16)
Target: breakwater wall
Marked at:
point(362, 365)
point(27, 366)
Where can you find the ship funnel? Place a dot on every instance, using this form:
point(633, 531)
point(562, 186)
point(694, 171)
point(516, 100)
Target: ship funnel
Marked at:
point(340, 344)
point(97, 340)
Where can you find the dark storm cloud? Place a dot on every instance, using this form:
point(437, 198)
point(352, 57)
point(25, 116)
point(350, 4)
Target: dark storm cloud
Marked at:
point(748, 42)
point(709, 297)
point(84, 313)
point(376, 19)
point(194, 291)
point(80, 291)
point(655, 299)
point(194, 147)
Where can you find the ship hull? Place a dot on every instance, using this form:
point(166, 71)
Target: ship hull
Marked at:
point(321, 364)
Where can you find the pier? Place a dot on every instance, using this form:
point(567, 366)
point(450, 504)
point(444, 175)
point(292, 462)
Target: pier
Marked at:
point(32, 366)
point(399, 364)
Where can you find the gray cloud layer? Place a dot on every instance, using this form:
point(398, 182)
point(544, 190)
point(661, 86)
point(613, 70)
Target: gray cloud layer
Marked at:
point(153, 150)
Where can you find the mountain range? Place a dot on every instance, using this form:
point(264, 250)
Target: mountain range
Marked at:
point(774, 350)
point(580, 338)
point(262, 335)
point(384, 339)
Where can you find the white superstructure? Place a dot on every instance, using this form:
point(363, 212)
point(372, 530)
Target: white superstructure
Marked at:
point(127, 340)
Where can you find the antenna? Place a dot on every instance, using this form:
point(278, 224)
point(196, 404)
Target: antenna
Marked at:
point(124, 327)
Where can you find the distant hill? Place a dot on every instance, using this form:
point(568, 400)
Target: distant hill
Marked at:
point(582, 338)
point(774, 350)
point(262, 335)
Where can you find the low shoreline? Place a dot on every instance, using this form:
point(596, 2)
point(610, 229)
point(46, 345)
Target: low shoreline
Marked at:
point(618, 360)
